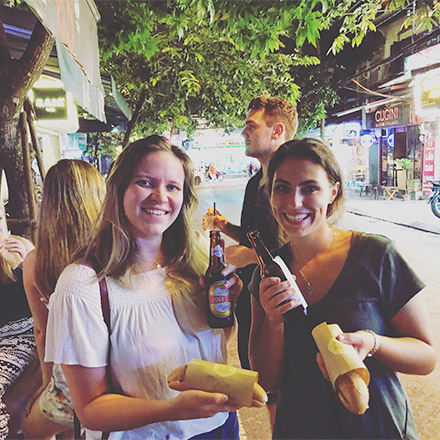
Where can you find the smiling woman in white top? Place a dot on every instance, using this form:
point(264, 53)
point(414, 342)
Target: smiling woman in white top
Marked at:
point(145, 248)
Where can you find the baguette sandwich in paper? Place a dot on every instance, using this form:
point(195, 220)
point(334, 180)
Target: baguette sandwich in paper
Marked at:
point(239, 384)
point(348, 374)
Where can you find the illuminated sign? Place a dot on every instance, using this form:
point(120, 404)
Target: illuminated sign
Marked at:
point(428, 162)
point(50, 103)
point(390, 140)
point(388, 116)
point(351, 130)
point(54, 107)
point(430, 89)
point(367, 140)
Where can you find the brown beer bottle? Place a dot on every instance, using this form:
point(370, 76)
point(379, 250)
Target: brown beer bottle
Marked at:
point(220, 313)
point(270, 268)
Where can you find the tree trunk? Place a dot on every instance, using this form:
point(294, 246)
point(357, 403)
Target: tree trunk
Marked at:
point(34, 140)
point(19, 76)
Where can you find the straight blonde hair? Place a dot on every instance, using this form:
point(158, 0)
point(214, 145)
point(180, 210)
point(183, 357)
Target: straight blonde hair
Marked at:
point(73, 193)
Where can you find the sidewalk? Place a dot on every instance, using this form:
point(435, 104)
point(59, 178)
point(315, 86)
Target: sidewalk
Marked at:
point(414, 214)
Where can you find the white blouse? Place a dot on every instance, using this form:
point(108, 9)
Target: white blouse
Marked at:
point(151, 334)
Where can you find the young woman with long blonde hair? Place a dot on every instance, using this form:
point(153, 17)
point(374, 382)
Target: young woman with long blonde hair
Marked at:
point(72, 199)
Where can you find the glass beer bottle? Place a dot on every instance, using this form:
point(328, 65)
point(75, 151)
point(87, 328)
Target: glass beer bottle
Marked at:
point(270, 268)
point(220, 313)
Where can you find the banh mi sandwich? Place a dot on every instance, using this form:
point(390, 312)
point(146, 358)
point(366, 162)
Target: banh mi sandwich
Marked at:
point(348, 374)
point(239, 384)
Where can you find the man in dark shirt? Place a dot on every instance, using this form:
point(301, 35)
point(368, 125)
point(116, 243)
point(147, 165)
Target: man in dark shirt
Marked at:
point(270, 122)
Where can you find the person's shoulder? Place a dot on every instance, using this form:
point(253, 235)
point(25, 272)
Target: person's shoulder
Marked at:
point(254, 181)
point(375, 242)
point(372, 238)
point(30, 260)
point(77, 273)
point(29, 274)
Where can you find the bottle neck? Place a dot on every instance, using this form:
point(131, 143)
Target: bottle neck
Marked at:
point(263, 254)
point(216, 255)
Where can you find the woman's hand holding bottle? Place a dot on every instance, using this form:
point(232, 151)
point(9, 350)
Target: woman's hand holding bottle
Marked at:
point(277, 297)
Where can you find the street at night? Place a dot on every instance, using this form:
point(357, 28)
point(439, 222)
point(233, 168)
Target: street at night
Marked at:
point(114, 113)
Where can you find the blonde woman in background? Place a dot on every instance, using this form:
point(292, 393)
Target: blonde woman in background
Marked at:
point(72, 198)
point(17, 344)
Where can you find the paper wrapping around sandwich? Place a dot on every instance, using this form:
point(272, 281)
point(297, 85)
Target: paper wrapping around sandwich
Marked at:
point(13, 259)
point(237, 383)
point(339, 358)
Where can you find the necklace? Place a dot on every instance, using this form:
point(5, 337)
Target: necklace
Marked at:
point(155, 264)
point(323, 266)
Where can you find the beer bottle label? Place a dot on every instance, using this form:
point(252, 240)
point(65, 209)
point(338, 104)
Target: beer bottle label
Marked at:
point(217, 251)
point(219, 303)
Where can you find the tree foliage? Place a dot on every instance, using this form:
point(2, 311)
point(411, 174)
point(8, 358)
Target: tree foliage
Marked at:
point(201, 61)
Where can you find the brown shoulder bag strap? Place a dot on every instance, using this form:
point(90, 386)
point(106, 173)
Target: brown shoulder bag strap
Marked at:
point(105, 307)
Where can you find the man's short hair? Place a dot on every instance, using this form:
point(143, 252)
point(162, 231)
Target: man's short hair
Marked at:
point(277, 109)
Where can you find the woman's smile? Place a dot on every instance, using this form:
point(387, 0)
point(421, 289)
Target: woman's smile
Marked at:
point(295, 218)
point(154, 197)
point(300, 196)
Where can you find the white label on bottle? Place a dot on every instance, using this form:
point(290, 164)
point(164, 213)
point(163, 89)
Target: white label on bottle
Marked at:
point(217, 251)
point(292, 282)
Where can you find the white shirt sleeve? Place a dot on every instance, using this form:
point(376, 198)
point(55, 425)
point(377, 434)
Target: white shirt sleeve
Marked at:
point(76, 333)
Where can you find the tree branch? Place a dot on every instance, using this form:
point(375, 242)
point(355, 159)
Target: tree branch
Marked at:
point(32, 62)
point(134, 117)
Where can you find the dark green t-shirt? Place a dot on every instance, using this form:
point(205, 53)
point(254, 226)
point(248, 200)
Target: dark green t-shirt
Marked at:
point(374, 284)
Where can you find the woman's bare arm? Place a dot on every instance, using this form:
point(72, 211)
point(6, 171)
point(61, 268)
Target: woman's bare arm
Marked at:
point(413, 352)
point(100, 410)
point(39, 313)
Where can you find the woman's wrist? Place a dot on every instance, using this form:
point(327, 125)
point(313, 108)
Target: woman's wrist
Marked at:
point(376, 343)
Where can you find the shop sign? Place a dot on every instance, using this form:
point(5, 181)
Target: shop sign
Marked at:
point(50, 103)
point(367, 140)
point(428, 162)
point(385, 116)
point(351, 130)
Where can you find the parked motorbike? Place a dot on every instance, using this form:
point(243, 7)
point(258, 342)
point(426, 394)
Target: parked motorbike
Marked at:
point(434, 198)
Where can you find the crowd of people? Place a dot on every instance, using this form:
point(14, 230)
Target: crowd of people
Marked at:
point(116, 291)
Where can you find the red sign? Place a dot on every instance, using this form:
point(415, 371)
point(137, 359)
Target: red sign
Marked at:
point(428, 162)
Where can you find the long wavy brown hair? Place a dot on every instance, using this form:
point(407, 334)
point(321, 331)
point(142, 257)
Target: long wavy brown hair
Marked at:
point(73, 194)
point(112, 248)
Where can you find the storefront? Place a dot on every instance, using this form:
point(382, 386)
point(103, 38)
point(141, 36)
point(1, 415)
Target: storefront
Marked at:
point(427, 105)
point(394, 136)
